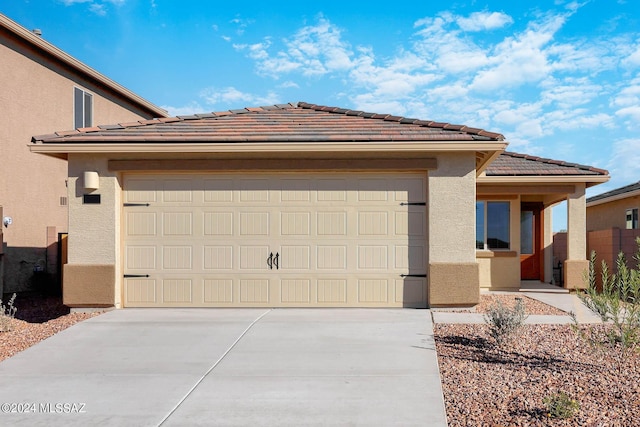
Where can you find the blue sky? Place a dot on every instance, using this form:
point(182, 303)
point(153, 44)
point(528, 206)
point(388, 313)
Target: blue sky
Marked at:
point(560, 79)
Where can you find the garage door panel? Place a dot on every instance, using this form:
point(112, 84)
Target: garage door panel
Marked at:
point(218, 257)
point(177, 223)
point(140, 292)
point(410, 291)
point(295, 291)
point(218, 223)
point(217, 190)
point(254, 224)
point(218, 291)
point(331, 257)
point(209, 240)
point(140, 257)
point(177, 291)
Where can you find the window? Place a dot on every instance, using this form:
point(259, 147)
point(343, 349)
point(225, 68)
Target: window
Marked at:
point(632, 219)
point(82, 108)
point(492, 225)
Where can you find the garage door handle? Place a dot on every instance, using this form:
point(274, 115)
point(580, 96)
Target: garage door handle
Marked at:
point(275, 261)
point(270, 261)
point(413, 204)
point(128, 276)
point(413, 275)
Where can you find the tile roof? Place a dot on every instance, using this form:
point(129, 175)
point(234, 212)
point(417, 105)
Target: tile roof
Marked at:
point(616, 192)
point(515, 164)
point(301, 122)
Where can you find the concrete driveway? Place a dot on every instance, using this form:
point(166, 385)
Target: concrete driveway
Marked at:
point(230, 367)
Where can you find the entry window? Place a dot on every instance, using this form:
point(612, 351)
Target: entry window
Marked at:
point(632, 219)
point(82, 108)
point(492, 225)
point(527, 232)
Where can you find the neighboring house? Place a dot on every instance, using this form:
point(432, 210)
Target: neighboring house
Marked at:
point(300, 205)
point(612, 223)
point(43, 88)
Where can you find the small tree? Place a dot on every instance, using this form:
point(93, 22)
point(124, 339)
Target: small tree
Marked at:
point(617, 305)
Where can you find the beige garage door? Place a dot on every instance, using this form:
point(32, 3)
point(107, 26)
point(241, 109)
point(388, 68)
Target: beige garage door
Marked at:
point(293, 240)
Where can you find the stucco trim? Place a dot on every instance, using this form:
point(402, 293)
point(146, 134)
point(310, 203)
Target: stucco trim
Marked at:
point(496, 254)
point(89, 285)
point(454, 284)
point(272, 164)
point(538, 179)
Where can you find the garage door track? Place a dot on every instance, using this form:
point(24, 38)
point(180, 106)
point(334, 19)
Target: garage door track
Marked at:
point(230, 367)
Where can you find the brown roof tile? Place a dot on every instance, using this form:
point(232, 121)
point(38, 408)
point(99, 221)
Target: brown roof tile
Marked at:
point(516, 164)
point(284, 122)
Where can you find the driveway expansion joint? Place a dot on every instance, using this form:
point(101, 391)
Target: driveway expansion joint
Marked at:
point(217, 362)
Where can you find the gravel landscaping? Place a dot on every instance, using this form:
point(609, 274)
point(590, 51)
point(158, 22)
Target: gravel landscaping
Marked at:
point(484, 386)
point(38, 317)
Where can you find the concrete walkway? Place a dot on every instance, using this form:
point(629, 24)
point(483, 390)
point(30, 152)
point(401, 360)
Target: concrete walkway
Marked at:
point(564, 301)
point(230, 367)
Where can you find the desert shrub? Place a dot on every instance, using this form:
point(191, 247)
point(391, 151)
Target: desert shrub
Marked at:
point(560, 405)
point(504, 322)
point(617, 305)
point(7, 313)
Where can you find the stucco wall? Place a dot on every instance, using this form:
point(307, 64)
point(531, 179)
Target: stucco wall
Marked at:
point(94, 229)
point(610, 215)
point(36, 97)
point(453, 270)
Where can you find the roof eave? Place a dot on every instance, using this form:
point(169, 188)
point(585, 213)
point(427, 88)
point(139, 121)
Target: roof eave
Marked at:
point(613, 198)
point(51, 148)
point(589, 180)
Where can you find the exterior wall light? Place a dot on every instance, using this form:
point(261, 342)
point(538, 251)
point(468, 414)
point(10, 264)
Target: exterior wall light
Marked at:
point(90, 180)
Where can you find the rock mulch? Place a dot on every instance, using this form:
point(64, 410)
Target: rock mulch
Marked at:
point(38, 317)
point(484, 386)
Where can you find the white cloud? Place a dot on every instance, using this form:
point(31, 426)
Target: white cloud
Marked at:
point(479, 21)
point(185, 110)
point(233, 96)
point(313, 51)
point(97, 7)
point(633, 59)
point(623, 164)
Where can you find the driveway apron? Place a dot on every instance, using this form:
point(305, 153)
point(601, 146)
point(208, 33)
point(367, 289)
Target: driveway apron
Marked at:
point(230, 367)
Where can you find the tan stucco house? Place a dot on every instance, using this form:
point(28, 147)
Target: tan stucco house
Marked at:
point(43, 88)
point(301, 205)
point(612, 224)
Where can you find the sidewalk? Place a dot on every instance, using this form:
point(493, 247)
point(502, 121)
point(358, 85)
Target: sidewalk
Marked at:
point(557, 297)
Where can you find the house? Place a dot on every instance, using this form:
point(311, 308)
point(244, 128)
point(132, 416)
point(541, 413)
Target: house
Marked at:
point(612, 223)
point(44, 88)
point(301, 205)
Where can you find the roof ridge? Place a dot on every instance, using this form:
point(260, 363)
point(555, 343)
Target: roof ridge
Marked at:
point(404, 120)
point(555, 162)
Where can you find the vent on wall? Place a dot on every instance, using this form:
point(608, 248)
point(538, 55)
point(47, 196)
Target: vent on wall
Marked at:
point(63, 201)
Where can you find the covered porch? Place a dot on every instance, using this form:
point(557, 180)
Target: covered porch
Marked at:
point(514, 231)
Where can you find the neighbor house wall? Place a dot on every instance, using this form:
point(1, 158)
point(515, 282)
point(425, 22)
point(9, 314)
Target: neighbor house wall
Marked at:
point(453, 269)
point(36, 97)
point(611, 214)
point(607, 244)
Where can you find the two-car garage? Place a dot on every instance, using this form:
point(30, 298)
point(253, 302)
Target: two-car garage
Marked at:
point(274, 240)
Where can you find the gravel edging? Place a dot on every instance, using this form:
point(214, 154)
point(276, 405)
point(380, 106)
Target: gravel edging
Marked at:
point(484, 386)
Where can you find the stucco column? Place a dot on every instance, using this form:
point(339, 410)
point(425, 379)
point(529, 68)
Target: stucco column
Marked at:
point(547, 243)
point(453, 270)
point(576, 263)
point(93, 251)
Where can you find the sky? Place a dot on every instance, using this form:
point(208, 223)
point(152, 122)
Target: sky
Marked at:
point(559, 79)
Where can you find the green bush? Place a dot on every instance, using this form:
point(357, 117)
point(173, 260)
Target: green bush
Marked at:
point(617, 305)
point(560, 405)
point(7, 313)
point(504, 322)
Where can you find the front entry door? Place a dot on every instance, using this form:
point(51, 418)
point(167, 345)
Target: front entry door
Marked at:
point(531, 242)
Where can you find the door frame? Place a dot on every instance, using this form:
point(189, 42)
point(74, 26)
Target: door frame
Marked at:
point(538, 242)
